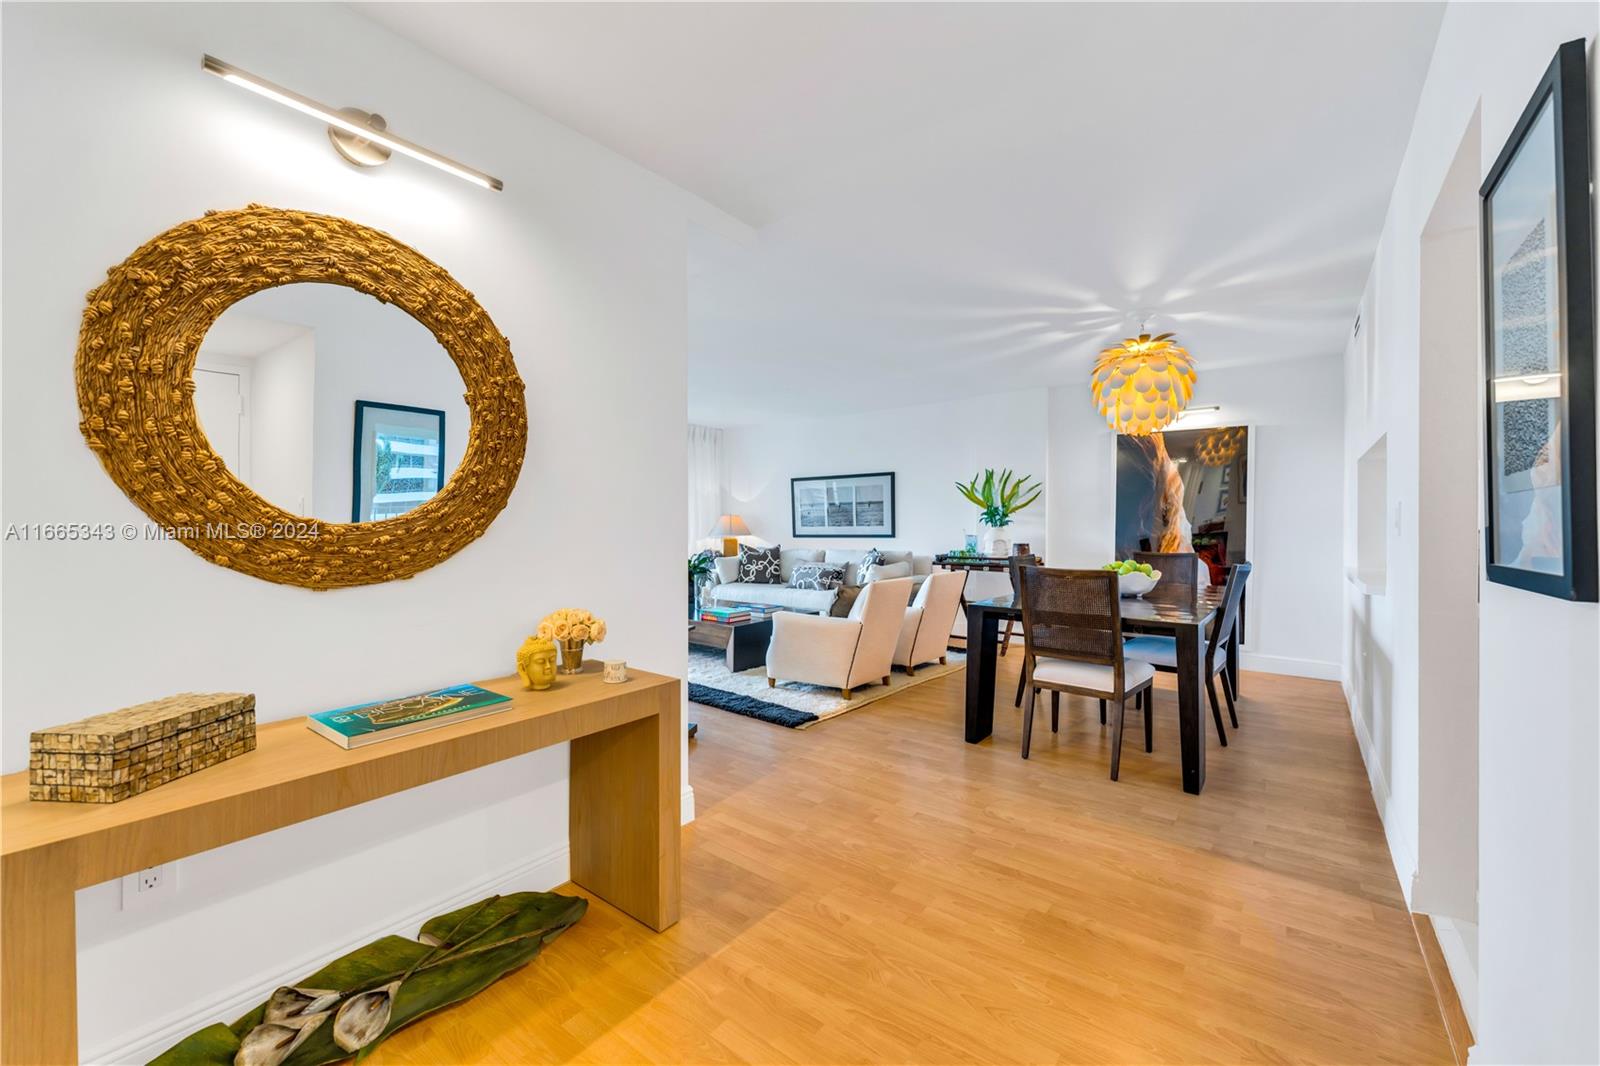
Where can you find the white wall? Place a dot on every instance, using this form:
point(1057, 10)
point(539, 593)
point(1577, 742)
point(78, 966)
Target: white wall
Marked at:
point(1538, 933)
point(1295, 541)
point(929, 447)
point(283, 433)
point(580, 262)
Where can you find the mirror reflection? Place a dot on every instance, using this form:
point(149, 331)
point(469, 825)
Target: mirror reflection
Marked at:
point(330, 403)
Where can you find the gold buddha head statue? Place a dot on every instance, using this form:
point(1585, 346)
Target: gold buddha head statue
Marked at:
point(536, 663)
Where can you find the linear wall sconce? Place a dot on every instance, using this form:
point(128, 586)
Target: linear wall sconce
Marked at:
point(1190, 413)
point(362, 138)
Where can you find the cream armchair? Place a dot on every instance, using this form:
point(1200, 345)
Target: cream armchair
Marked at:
point(925, 632)
point(842, 653)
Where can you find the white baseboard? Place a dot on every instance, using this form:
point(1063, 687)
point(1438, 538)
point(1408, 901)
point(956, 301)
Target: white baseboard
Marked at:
point(687, 805)
point(537, 874)
point(1400, 850)
point(1463, 973)
point(1281, 664)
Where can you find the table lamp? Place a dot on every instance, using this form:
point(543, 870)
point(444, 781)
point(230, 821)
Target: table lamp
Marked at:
point(729, 527)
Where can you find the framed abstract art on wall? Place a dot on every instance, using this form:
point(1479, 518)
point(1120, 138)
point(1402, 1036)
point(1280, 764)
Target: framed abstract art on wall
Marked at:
point(1184, 490)
point(1539, 343)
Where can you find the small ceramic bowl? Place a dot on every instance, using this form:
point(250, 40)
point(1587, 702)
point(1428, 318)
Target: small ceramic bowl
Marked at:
point(1137, 584)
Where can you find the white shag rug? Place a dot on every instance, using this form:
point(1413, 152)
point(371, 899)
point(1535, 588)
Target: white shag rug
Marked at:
point(792, 703)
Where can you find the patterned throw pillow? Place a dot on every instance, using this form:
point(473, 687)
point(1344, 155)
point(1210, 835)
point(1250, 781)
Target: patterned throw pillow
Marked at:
point(759, 566)
point(817, 576)
point(868, 561)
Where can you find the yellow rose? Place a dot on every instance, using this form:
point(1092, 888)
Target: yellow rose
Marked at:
point(563, 631)
point(545, 631)
point(598, 631)
point(580, 632)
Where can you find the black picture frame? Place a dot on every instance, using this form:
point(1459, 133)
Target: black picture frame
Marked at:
point(364, 406)
point(812, 531)
point(1564, 92)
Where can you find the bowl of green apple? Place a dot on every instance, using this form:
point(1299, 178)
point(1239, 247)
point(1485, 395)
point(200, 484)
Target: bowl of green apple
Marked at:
point(1133, 578)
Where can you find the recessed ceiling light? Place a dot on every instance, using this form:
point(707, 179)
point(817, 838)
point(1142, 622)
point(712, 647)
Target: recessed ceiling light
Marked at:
point(362, 138)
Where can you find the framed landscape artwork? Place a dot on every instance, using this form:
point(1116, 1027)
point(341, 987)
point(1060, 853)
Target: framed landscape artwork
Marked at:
point(1539, 344)
point(843, 505)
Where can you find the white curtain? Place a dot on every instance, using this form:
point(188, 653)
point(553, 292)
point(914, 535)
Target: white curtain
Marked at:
point(706, 469)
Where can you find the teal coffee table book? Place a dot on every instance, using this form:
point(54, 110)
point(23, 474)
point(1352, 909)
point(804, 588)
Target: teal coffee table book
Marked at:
point(366, 723)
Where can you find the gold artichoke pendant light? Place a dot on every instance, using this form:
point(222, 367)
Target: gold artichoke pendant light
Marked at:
point(1143, 383)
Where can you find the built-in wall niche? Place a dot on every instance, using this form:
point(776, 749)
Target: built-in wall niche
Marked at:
point(1370, 573)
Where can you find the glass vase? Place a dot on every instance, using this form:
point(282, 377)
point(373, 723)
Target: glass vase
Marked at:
point(571, 656)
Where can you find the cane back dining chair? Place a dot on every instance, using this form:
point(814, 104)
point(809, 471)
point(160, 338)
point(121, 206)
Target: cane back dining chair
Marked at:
point(1012, 565)
point(1072, 642)
point(1180, 574)
point(1161, 652)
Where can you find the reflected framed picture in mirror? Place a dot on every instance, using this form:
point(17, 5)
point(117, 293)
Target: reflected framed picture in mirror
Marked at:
point(398, 459)
point(1539, 344)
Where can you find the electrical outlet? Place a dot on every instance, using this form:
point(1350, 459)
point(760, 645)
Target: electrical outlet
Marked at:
point(149, 886)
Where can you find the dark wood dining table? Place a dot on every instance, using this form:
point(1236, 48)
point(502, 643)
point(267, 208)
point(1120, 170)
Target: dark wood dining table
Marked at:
point(1185, 617)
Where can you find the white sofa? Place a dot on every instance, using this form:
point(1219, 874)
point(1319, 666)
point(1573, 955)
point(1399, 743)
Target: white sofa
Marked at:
point(729, 589)
point(844, 653)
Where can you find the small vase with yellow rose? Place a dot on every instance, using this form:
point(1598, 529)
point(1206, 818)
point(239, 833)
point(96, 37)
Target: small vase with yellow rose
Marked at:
point(571, 628)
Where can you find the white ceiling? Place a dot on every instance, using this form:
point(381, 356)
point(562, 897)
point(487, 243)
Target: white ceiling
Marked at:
point(949, 199)
point(237, 335)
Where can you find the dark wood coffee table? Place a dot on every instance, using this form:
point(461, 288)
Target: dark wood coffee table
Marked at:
point(746, 642)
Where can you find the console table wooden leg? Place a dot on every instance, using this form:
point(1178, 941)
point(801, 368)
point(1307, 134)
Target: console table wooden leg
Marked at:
point(624, 814)
point(38, 959)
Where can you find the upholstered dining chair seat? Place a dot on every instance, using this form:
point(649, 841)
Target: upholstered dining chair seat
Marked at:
point(1161, 651)
point(1090, 675)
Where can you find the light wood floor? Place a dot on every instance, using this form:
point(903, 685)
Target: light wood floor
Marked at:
point(874, 890)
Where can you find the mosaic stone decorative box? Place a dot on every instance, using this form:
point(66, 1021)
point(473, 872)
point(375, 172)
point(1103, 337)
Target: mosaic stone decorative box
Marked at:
point(119, 754)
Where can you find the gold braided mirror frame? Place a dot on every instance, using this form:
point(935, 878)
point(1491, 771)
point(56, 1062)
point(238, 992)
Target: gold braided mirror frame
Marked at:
point(135, 368)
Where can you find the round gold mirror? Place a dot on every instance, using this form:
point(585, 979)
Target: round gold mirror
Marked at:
point(216, 368)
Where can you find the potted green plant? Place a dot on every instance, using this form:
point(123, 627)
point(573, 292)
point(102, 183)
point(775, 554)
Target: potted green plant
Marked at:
point(999, 497)
point(700, 569)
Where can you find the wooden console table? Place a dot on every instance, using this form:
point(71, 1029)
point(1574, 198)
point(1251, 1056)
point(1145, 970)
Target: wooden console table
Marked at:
point(623, 823)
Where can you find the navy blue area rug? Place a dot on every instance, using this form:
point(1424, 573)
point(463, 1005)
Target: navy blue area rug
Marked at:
point(750, 707)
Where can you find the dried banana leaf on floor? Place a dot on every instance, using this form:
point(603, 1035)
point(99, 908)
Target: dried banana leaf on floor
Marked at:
point(456, 956)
